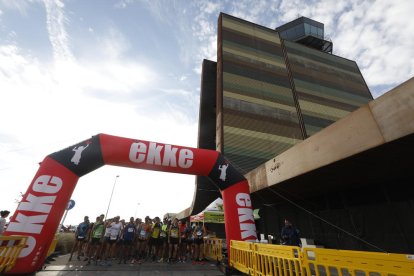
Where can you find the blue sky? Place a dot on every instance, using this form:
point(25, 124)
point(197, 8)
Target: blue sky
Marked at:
point(72, 69)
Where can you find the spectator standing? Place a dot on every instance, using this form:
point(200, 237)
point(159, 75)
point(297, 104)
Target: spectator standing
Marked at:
point(289, 234)
point(3, 215)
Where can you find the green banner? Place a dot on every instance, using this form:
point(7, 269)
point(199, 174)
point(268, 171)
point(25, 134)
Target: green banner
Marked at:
point(213, 217)
point(216, 216)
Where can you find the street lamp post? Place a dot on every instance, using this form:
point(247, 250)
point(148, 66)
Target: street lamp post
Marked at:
point(136, 210)
point(110, 199)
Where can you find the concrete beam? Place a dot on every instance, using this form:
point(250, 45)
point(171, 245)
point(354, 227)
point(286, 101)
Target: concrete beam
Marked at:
point(384, 119)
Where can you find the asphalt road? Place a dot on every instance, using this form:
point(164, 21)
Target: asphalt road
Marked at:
point(62, 266)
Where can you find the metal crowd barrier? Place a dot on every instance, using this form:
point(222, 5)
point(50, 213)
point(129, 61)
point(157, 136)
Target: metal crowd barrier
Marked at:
point(10, 247)
point(269, 259)
point(213, 249)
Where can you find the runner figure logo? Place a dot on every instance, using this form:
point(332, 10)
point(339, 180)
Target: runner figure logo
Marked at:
point(223, 169)
point(78, 154)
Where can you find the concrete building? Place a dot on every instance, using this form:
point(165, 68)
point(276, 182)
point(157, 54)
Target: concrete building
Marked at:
point(265, 94)
point(302, 126)
point(272, 93)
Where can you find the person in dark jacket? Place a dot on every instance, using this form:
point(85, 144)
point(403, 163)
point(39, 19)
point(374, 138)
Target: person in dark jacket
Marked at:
point(290, 234)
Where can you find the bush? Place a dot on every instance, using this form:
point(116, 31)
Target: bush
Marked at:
point(65, 242)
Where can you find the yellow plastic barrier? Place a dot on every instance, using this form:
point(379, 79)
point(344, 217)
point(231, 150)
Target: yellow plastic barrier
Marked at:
point(270, 259)
point(241, 256)
point(320, 261)
point(10, 247)
point(213, 249)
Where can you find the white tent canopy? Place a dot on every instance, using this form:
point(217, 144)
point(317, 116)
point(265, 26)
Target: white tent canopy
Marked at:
point(214, 213)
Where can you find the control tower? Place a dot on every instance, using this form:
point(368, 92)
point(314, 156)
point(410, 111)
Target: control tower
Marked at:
point(307, 32)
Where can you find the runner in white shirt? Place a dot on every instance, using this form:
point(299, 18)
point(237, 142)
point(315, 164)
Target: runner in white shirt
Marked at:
point(106, 246)
point(116, 227)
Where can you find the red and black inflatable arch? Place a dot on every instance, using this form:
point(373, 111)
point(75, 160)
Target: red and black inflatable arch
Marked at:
point(41, 209)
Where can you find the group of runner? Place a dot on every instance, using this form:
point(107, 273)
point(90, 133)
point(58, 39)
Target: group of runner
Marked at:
point(138, 241)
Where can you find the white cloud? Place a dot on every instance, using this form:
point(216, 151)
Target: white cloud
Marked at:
point(21, 74)
point(123, 4)
point(376, 34)
point(113, 45)
point(211, 8)
point(20, 6)
point(102, 88)
point(58, 36)
point(47, 101)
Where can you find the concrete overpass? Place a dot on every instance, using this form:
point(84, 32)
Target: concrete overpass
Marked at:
point(374, 141)
point(350, 186)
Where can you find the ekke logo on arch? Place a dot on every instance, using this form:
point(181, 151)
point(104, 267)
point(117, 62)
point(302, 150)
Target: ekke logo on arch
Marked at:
point(246, 218)
point(33, 223)
point(161, 155)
